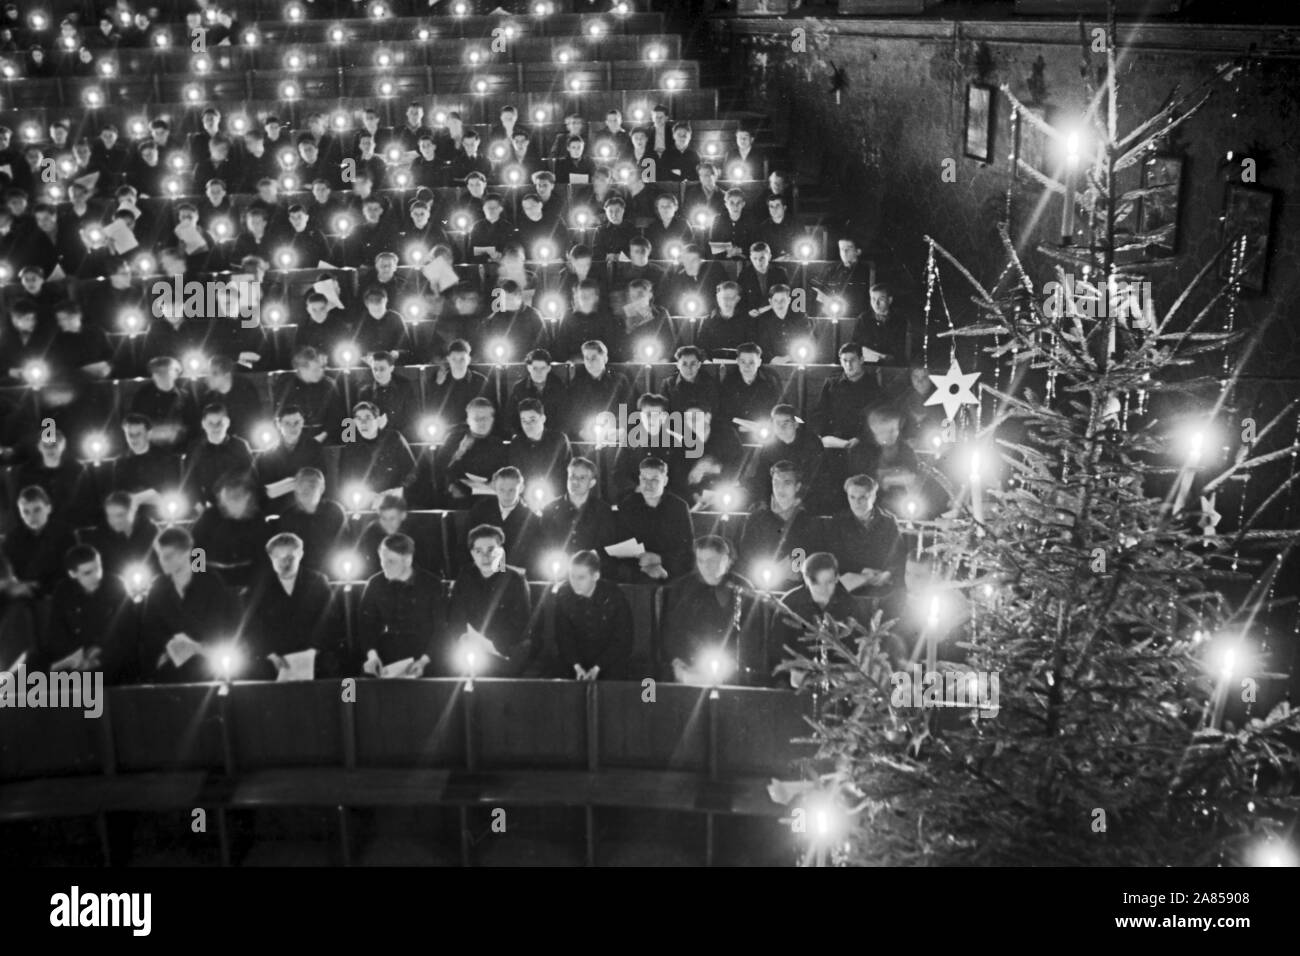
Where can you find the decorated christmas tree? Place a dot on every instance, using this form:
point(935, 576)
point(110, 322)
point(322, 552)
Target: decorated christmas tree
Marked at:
point(1080, 679)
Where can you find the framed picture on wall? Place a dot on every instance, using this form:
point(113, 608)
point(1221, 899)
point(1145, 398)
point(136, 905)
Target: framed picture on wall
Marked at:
point(1162, 180)
point(979, 122)
point(1248, 213)
point(1034, 147)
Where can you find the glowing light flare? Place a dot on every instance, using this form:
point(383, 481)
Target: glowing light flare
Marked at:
point(649, 351)
point(131, 322)
point(137, 578)
point(96, 446)
point(358, 497)
point(551, 307)
point(174, 506)
point(432, 428)
point(346, 566)
point(36, 373)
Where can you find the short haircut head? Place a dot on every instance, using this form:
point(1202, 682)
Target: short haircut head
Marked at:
point(285, 539)
point(79, 554)
point(486, 531)
point(399, 544)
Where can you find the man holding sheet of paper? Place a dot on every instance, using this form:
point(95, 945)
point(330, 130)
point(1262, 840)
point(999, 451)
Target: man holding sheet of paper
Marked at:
point(654, 529)
point(401, 616)
point(293, 629)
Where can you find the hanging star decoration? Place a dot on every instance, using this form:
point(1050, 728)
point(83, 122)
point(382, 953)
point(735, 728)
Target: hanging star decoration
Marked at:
point(953, 390)
point(1209, 519)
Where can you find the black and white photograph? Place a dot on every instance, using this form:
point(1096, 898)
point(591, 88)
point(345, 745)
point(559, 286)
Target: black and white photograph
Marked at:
point(572, 434)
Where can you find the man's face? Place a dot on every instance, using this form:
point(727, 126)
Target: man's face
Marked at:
point(699, 423)
point(776, 210)
point(920, 378)
point(298, 220)
point(420, 216)
point(785, 427)
point(164, 377)
point(308, 152)
point(748, 364)
point(477, 187)
point(785, 489)
point(32, 282)
point(507, 491)
point(743, 139)
point(760, 258)
point(118, 517)
point(594, 362)
point(681, 139)
point(532, 209)
point(216, 194)
point(173, 560)
point(386, 268)
point(35, 514)
point(880, 302)
point(652, 483)
point(235, 502)
point(586, 300)
point(580, 482)
point(614, 122)
point(486, 554)
point(666, 208)
point(492, 210)
point(286, 560)
point(614, 213)
point(851, 362)
point(538, 370)
point(394, 566)
point(320, 192)
point(372, 211)
point(137, 437)
point(712, 565)
point(426, 148)
point(532, 423)
point(735, 206)
point(376, 307)
point(367, 423)
point(459, 362)
point(308, 494)
point(728, 299)
point(390, 519)
point(290, 428)
point(861, 501)
point(109, 138)
point(848, 252)
point(575, 152)
point(382, 370)
point(691, 261)
point(639, 140)
point(69, 321)
point(780, 302)
point(480, 421)
point(414, 115)
point(653, 418)
point(884, 430)
point(688, 366)
point(310, 372)
point(159, 135)
point(822, 587)
point(639, 255)
point(583, 579)
point(215, 427)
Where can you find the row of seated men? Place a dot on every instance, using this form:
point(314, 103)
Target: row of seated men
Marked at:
point(165, 162)
point(698, 426)
point(55, 337)
point(70, 46)
point(188, 622)
point(348, 230)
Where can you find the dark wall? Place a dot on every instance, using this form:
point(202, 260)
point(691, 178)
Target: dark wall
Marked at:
point(902, 113)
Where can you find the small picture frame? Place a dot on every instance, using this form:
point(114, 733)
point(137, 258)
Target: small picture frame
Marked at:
point(979, 122)
point(1248, 211)
point(1162, 179)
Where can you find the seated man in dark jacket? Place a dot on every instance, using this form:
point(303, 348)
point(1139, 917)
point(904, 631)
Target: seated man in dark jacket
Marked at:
point(866, 543)
point(401, 613)
point(780, 532)
point(491, 611)
point(712, 631)
point(593, 623)
point(661, 522)
point(190, 617)
point(291, 610)
point(819, 597)
point(317, 522)
point(444, 476)
point(580, 520)
point(90, 618)
point(507, 510)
